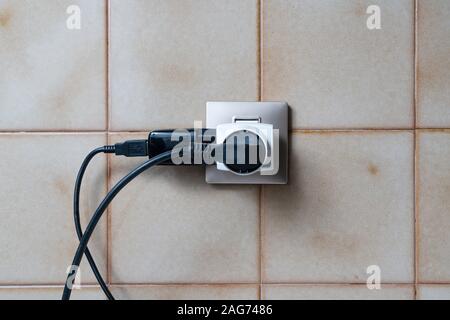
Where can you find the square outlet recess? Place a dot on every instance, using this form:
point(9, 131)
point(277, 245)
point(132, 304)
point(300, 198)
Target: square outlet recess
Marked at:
point(275, 113)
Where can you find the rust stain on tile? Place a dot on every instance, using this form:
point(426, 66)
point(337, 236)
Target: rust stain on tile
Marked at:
point(433, 49)
point(61, 185)
point(175, 74)
point(73, 84)
point(342, 245)
point(360, 9)
point(434, 69)
point(373, 169)
point(5, 18)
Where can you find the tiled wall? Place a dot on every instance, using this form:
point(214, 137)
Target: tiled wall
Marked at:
point(369, 157)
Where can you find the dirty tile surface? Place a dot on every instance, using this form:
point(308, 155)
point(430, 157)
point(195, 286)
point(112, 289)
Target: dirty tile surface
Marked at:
point(169, 57)
point(433, 78)
point(337, 292)
point(52, 78)
point(434, 206)
point(334, 72)
point(169, 217)
point(38, 173)
point(349, 205)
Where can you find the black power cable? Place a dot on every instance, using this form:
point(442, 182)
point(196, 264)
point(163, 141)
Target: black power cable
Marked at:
point(76, 214)
point(101, 209)
point(130, 148)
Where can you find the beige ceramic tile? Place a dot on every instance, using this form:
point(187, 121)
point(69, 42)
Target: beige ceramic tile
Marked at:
point(433, 81)
point(321, 58)
point(169, 57)
point(434, 206)
point(349, 205)
point(170, 226)
point(48, 293)
point(37, 231)
point(52, 77)
point(337, 292)
point(433, 292)
point(187, 292)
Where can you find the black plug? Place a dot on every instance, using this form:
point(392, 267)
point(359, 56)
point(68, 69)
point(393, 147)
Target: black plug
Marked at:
point(132, 148)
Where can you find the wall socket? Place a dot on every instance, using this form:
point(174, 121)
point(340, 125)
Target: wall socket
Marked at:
point(220, 116)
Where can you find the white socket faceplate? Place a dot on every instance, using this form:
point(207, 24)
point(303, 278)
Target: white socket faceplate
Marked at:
point(228, 116)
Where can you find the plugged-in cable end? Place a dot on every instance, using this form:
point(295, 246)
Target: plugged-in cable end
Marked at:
point(132, 148)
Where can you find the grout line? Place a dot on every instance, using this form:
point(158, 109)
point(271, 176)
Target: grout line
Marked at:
point(260, 98)
point(108, 221)
point(271, 283)
point(50, 131)
point(415, 173)
point(415, 61)
point(337, 284)
point(73, 131)
point(261, 240)
point(107, 63)
point(184, 284)
point(6, 286)
point(267, 283)
point(260, 48)
point(44, 286)
point(108, 158)
point(416, 211)
point(318, 131)
point(292, 131)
